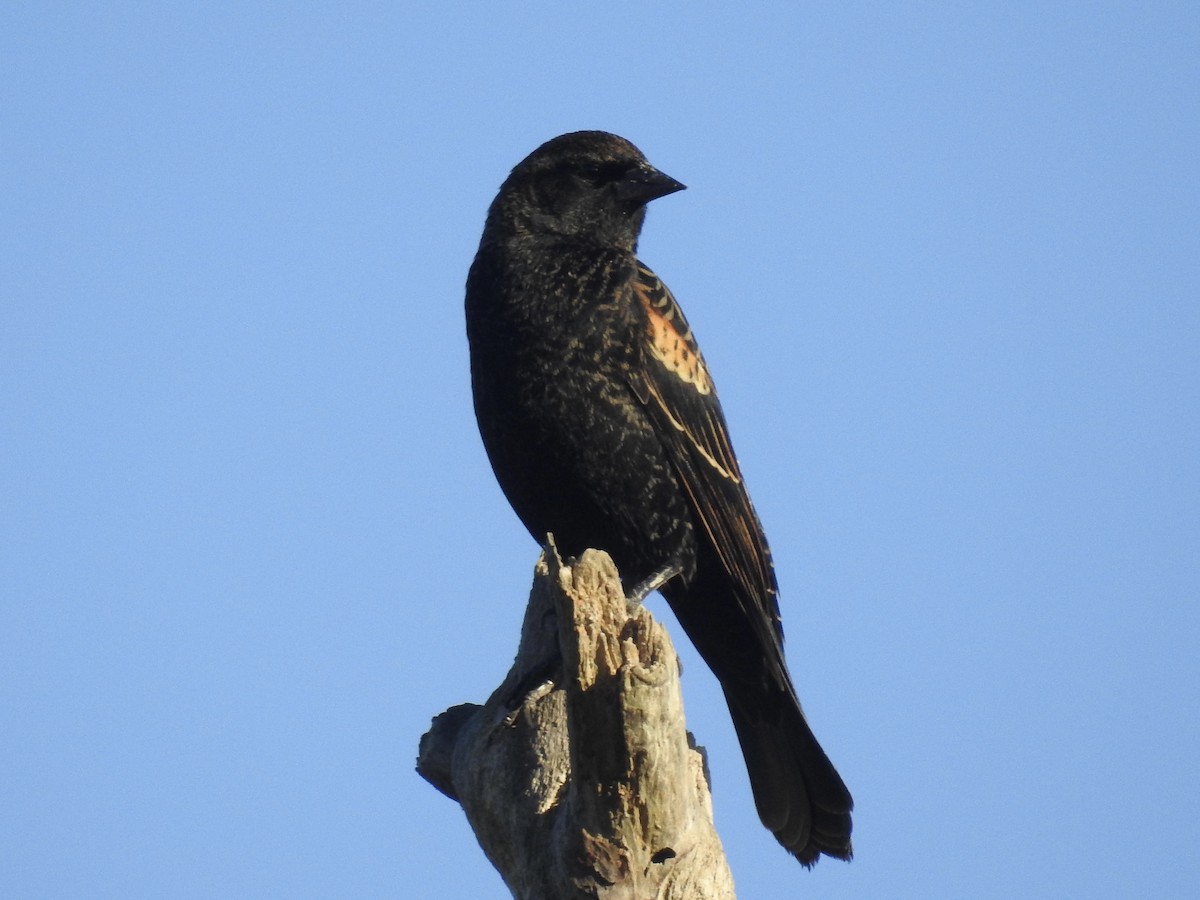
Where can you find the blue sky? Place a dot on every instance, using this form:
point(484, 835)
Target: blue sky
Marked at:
point(943, 261)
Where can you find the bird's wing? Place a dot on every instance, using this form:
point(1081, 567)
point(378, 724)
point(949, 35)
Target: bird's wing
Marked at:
point(679, 395)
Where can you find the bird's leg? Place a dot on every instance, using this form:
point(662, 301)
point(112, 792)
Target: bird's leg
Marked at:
point(653, 582)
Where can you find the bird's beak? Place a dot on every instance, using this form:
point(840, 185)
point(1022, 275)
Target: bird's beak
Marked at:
point(647, 183)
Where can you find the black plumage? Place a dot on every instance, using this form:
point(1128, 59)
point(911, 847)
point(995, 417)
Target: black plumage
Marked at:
point(603, 427)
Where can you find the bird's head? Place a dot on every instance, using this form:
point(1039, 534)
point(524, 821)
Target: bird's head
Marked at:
point(586, 185)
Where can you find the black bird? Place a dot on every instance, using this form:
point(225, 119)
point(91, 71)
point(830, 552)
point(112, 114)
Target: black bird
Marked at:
point(603, 427)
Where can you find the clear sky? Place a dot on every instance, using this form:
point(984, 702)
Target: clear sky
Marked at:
point(944, 262)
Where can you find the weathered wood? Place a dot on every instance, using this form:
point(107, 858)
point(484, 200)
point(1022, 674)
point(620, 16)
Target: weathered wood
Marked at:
point(578, 775)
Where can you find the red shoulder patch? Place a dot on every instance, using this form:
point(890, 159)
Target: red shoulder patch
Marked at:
point(671, 341)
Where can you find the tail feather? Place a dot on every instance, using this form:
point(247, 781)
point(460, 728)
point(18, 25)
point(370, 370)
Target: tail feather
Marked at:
point(799, 795)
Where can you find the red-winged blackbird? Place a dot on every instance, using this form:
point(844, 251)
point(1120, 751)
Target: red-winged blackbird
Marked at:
point(603, 427)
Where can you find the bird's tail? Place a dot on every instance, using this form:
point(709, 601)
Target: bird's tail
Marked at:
point(799, 794)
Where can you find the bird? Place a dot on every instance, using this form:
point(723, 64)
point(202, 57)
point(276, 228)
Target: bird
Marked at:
point(603, 427)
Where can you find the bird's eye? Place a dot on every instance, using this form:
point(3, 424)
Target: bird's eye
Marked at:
point(600, 174)
point(590, 173)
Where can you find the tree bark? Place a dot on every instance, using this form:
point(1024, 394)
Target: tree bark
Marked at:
point(578, 775)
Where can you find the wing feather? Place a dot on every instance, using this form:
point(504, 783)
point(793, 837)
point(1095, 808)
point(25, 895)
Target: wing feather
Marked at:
point(679, 394)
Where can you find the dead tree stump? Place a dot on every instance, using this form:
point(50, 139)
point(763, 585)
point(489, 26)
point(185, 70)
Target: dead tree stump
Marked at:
point(578, 775)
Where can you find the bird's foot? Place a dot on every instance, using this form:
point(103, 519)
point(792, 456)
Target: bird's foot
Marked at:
point(652, 582)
